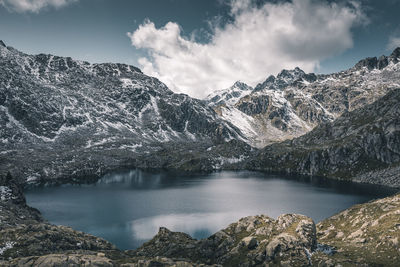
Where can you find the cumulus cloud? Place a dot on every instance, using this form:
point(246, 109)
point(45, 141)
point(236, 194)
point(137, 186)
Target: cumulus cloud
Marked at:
point(394, 42)
point(258, 41)
point(34, 6)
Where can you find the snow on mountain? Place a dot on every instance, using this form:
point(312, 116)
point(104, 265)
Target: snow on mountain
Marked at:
point(66, 119)
point(361, 145)
point(66, 108)
point(229, 96)
point(293, 103)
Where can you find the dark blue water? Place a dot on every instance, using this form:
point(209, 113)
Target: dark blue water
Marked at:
point(128, 208)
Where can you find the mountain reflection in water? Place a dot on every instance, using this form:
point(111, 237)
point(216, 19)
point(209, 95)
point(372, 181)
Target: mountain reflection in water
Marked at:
point(127, 208)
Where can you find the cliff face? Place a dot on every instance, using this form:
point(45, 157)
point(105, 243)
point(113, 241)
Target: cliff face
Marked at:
point(363, 235)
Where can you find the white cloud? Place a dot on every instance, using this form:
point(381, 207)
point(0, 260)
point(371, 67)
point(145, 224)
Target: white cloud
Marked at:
point(259, 41)
point(394, 42)
point(33, 5)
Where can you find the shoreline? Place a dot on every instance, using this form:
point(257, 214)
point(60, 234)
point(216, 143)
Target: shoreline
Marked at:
point(87, 247)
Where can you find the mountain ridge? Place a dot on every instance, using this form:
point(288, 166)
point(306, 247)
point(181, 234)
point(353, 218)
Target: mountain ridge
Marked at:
point(293, 103)
point(73, 115)
point(361, 145)
point(64, 120)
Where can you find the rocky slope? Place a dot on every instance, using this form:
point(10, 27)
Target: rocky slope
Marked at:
point(364, 235)
point(362, 145)
point(252, 241)
point(293, 103)
point(62, 118)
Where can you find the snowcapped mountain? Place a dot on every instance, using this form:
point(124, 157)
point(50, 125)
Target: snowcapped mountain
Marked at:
point(362, 145)
point(63, 119)
point(293, 103)
point(56, 110)
point(229, 96)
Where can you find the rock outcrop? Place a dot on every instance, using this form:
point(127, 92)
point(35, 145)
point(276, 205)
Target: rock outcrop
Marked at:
point(251, 241)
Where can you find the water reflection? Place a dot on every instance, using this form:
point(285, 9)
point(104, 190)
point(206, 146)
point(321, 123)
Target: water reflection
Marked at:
point(134, 178)
point(197, 225)
point(138, 179)
point(127, 208)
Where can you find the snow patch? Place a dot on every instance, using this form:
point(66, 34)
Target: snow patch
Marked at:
point(5, 193)
point(223, 160)
point(33, 178)
point(90, 143)
point(241, 120)
point(231, 95)
point(131, 147)
point(126, 82)
point(7, 245)
point(189, 134)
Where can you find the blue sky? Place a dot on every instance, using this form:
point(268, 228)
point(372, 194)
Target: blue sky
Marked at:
point(95, 30)
point(199, 46)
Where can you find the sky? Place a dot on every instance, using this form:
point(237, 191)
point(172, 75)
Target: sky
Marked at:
point(196, 47)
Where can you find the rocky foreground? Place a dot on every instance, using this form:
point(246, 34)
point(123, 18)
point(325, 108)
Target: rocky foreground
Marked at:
point(363, 235)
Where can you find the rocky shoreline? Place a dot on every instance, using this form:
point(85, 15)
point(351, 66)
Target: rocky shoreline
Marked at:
point(363, 235)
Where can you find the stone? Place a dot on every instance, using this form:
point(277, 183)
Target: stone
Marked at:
point(250, 242)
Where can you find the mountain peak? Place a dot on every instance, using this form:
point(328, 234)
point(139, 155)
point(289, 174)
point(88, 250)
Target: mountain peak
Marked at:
point(2, 43)
point(296, 72)
point(379, 63)
point(240, 85)
point(230, 95)
point(285, 78)
point(395, 54)
point(369, 62)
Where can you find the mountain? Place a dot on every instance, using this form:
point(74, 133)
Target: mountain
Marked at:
point(362, 145)
point(64, 120)
point(61, 117)
point(229, 96)
point(293, 103)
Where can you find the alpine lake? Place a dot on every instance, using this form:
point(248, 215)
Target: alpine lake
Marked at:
point(127, 208)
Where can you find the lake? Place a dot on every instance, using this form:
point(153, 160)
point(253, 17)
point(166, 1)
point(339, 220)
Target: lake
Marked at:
point(128, 208)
